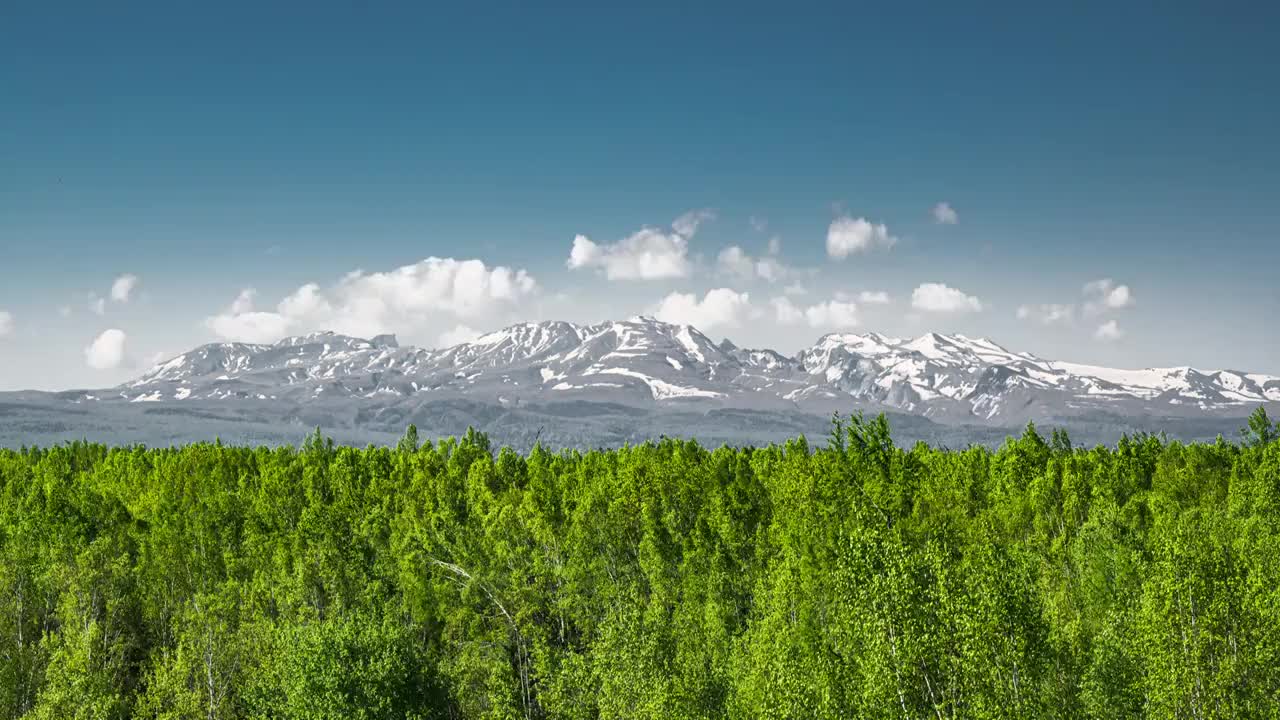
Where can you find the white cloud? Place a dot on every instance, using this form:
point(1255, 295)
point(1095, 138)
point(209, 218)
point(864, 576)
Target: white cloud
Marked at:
point(309, 301)
point(795, 289)
point(1048, 314)
point(734, 261)
point(1100, 296)
point(847, 236)
point(405, 300)
point(123, 287)
point(1105, 294)
point(873, 297)
point(458, 335)
point(97, 305)
point(786, 311)
point(244, 301)
point(106, 352)
point(241, 323)
point(1108, 331)
point(584, 253)
point(831, 313)
point(1119, 297)
point(944, 214)
point(648, 254)
point(938, 297)
point(721, 307)
point(770, 270)
point(6, 323)
point(775, 245)
point(687, 224)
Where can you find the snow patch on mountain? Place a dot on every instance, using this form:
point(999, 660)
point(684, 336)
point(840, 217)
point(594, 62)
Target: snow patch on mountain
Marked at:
point(945, 377)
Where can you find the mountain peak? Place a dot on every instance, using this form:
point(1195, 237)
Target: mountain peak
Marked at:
point(644, 359)
point(320, 336)
point(649, 320)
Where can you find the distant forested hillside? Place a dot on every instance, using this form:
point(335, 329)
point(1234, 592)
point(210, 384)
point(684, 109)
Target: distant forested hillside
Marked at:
point(666, 580)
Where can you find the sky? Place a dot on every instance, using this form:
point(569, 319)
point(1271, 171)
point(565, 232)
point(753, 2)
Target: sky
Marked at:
point(1097, 183)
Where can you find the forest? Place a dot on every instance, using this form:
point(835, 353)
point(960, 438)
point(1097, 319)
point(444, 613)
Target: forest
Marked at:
point(847, 578)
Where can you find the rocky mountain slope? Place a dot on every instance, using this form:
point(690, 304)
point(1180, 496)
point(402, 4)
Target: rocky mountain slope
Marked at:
point(643, 362)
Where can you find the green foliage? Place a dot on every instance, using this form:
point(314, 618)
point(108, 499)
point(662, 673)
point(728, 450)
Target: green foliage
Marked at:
point(665, 580)
point(1260, 430)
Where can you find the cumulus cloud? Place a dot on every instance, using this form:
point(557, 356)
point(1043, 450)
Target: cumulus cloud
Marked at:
point(123, 287)
point(687, 224)
point(649, 254)
point(830, 313)
point(938, 297)
point(6, 323)
point(847, 235)
point(106, 352)
point(1108, 331)
point(1047, 314)
point(458, 335)
point(721, 307)
point(1105, 294)
point(406, 300)
point(944, 214)
point(309, 301)
point(873, 297)
point(241, 323)
point(786, 311)
point(734, 261)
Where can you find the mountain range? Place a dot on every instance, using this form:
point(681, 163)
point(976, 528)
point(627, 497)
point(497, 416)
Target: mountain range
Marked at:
point(646, 373)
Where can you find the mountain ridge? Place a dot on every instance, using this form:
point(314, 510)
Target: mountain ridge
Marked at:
point(642, 361)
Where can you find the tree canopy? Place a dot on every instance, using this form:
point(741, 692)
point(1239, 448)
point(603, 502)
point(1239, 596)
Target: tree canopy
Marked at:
point(451, 579)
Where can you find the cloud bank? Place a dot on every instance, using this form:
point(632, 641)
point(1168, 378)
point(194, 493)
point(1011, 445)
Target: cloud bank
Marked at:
point(407, 300)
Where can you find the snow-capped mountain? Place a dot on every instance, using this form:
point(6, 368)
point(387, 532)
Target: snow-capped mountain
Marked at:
point(643, 362)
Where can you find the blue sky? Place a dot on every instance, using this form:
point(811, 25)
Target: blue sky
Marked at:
point(206, 150)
